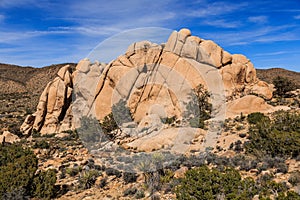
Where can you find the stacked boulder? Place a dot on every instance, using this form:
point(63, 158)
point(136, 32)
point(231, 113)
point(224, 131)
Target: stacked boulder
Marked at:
point(152, 79)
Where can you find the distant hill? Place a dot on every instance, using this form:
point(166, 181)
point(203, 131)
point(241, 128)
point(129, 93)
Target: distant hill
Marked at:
point(24, 85)
point(269, 74)
point(16, 79)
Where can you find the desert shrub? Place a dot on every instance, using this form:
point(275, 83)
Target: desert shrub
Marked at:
point(90, 130)
point(294, 178)
point(291, 195)
point(88, 178)
point(113, 172)
point(73, 171)
point(282, 168)
point(198, 108)
point(169, 120)
point(283, 85)
point(280, 137)
point(103, 182)
point(129, 177)
point(269, 188)
point(130, 191)
point(256, 117)
point(44, 184)
point(109, 124)
point(41, 144)
point(17, 175)
point(121, 112)
point(17, 169)
point(204, 183)
point(35, 133)
point(140, 194)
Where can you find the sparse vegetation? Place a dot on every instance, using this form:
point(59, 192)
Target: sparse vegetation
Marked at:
point(283, 85)
point(204, 183)
point(18, 168)
point(257, 117)
point(88, 178)
point(43, 185)
point(198, 108)
point(42, 144)
point(280, 137)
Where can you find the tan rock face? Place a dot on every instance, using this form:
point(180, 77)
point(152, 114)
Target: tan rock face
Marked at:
point(8, 137)
point(151, 78)
point(246, 105)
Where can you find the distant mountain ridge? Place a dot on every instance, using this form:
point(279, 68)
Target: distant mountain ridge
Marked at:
point(17, 79)
point(269, 74)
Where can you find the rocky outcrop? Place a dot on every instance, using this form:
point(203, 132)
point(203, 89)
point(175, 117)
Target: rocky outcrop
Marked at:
point(53, 106)
point(151, 79)
point(8, 137)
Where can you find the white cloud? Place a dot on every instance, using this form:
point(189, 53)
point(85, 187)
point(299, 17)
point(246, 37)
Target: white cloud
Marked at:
point(258, 19)
point(297, 17)
point(215, 9)
point(261, 35)
point(272, 53)
point(12, 37)
point(221, 23)
point(86, 30)
point(13, 3)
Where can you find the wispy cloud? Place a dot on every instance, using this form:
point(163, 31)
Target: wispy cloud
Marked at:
point(215, 9)
point(11, 37)
point(276, 53)
point(258, 19)
point(297, 17)
point(221, 23)
point(86, 30)
point(2, 17)
point(13, 3)
point(258, 35)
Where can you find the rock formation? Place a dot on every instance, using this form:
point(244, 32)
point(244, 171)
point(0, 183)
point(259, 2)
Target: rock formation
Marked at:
point(152, 79)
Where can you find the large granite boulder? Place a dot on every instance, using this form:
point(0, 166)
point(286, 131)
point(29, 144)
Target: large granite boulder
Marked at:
point(153, 80)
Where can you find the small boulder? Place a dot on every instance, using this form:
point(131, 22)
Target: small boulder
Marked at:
point(9, 137)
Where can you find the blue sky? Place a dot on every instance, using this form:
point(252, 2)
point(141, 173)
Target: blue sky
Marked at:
point(44, 32)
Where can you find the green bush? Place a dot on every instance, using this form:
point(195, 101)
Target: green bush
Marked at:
point(73, 171)
point(109, 124)
point(90, 130)
point(291, 195)
point(294, 178)
point(42, 144)
point(88, 178)
point(129, 177)
point(283, 85)
point(209, 184)
point(17, 168)
point(198, 107)
point(169, 120)
point(256, 117)
point(121, 112)
point(17, 175)
point(280, 137)
point(44, 184)
point(129, 192)
point(35, 133)
point(140, 194)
